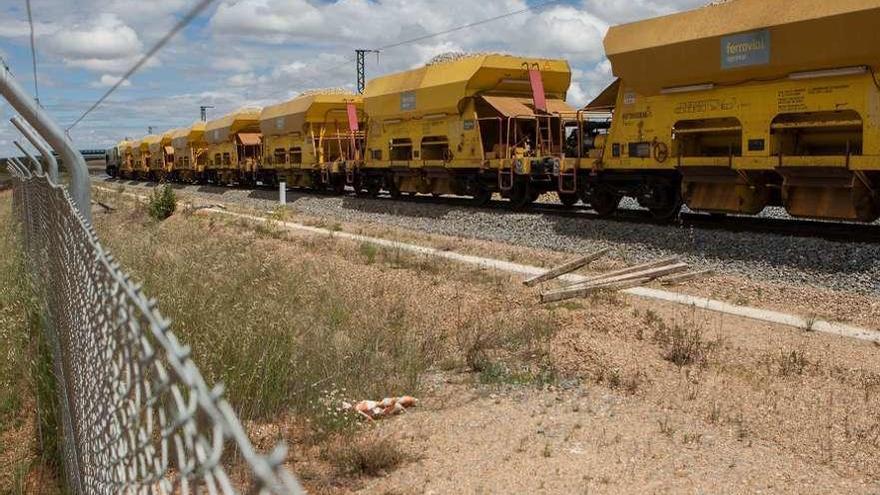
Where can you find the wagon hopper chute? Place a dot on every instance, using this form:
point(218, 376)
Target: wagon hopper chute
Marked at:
point(468, 126)
point(744, 105)
point(313, 140)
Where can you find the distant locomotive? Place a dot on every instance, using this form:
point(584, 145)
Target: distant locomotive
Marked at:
point(729, 108)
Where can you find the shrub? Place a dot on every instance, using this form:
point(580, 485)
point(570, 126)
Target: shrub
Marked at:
point(366, 455)
point(163, 202)
point(683, 344)
point(793, 362)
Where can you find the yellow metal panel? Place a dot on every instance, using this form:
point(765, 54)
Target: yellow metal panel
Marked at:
point(521, 107)
point(687, 48)
point(147, 141)
point(440, 88)
point(291, 116)
point(225, 128)
point(179, 133)
point(164, 140)
point(651, 119)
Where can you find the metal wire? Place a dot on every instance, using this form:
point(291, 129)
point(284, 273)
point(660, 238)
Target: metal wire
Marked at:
point(33, 52)
point(182, 23)
point(135, 413)
point(397, 44)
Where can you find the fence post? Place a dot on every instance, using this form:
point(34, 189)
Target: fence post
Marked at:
point(282, 193)
point(39, 144)
point(80, 186)
point(37, 167)
point(22, 170)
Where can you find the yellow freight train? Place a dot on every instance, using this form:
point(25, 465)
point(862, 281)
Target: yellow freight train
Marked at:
point(743, 105)
point(190, 153)
point(730, 108)
point(308, 141)
point(470, 126)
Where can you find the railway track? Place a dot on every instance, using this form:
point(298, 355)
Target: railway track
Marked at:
point(831, 231)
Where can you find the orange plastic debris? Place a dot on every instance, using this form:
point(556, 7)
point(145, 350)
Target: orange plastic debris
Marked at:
point(389, 406)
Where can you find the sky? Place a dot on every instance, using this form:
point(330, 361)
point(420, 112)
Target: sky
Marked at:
point(258, 52)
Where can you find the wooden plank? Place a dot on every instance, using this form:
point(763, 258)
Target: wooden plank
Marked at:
point(566, 268)
point(630, 269)
point(583, 290)
point(684, 277)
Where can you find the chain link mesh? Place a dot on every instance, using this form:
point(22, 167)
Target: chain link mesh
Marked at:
point(135, 413)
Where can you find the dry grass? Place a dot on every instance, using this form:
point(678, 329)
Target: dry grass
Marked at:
point(298, 324)
point(370, 455)
point(683, 343)
point(28, 437)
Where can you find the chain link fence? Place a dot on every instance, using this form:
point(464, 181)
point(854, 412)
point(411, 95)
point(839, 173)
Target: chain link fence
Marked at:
point(135, 414)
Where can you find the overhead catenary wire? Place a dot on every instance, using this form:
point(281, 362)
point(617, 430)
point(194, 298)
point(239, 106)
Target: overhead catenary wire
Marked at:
point(528, 8)
point(203, 4)
point(33, 51)
point(398, 44)
point(184, 21)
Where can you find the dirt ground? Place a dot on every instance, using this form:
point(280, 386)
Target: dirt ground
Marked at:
point(740, 425)
point(642, 397)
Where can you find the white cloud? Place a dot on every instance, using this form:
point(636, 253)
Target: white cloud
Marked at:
point(17, 28)
point(246, 79)
point(108, 80)
point(276, 19)
point(106, 38)
point(264, 51)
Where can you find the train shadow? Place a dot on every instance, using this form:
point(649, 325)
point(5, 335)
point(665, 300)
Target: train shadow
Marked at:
point(215, 190)
point(271, 194)
point(407, 206)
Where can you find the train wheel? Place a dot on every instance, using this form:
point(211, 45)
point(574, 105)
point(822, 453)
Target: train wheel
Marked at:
point(393, 188)
point(357, 184)
point(604, 202)
point(670, 207)
point(521, 195)
point(481, 196)
point(337, 187)
point(373, 188)
point(533, 195)
point(666, 213)
point(568, 199)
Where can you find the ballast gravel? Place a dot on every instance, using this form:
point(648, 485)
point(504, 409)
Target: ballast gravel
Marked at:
point(774, 258)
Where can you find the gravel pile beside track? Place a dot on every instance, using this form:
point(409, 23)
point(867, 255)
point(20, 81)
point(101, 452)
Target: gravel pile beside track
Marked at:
point(801, 261)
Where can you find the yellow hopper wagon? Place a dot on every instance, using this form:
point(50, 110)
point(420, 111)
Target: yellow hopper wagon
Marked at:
point(127, 166)
point(234, 147)
point(144, 157)
point(309, 141)
point(162, 157)
point(140, 151)
point(470, 126)
point(115, 158)
point(190, 153)
point(742, 105)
